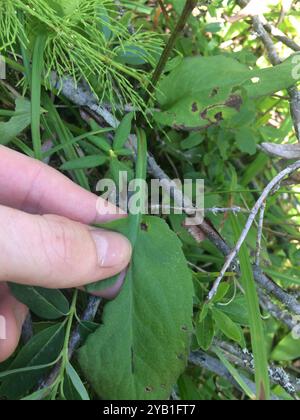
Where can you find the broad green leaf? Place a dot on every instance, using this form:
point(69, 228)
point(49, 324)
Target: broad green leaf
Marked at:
point(204, 90)
point(41, 349)
point(228, 327)
point(287, 349)
point(245, 140)
point(236, 310)
point(77, 383)
point(45, 303)
point(205, 331)
point(17, 123)
point(123, 131)
point(144, 340)
point(86, 162)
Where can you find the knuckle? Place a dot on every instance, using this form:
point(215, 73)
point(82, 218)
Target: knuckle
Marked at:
point(57, 238)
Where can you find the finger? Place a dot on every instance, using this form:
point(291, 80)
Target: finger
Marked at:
point(12, 316)
point(54, 252)
point(34, 187)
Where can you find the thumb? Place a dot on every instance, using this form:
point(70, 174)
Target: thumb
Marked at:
point(55, 252)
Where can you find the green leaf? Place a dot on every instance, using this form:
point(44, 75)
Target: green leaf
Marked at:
point(203, 90)
point(86, 162)
point(17, 123)
point(236, 311)
point(205, 332)
point(77, 383)
point(228, 327)
point(99, 286)
point(245, 140)
point(256, 324)
point(42, 347)
point(45, 303)
point(123, 131)
point(38, 395)
point(143, 344)
point(287, 349)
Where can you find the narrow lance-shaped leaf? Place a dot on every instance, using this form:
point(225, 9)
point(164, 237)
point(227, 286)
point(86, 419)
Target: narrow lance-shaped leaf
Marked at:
point(45, 303)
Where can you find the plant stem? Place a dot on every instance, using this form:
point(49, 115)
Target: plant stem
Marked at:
point(36, 87)
point(57, 379)
point(163, 9)
point(188, 8)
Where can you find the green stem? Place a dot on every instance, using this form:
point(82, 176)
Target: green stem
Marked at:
point(36, 88)
point(188, 8)
point(141, 173)
point(59, 382)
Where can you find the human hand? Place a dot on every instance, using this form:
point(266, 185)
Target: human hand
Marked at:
point(45, 237)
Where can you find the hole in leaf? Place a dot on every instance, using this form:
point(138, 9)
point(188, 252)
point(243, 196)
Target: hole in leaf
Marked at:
point(255, 80)
point(194, 107)
point(214, 92)
point(149, 389)
point(184, 328)
point(144, 227)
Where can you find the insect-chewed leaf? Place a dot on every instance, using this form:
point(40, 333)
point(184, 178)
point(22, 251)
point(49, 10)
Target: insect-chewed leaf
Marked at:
point(142, 346)
point(208, 89)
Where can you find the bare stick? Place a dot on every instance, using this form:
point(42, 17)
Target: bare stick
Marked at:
point(187, 10)
point(281, 37)
point(163, 9)
point(245, 359)
point(275, 311)
point(199, 358)
point(260, 233)
point(267, 191)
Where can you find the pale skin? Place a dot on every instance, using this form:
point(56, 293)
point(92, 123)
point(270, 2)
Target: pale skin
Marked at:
point(46, 238)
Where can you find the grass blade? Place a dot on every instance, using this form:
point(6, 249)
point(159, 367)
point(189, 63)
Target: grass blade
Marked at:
point(256, 324)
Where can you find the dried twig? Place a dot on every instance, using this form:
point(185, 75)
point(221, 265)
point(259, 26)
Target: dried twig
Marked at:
point(267, 191)
point(275, 311)
point(260, 233)
point(186, 13)
point(199, 358)
point(244, 359)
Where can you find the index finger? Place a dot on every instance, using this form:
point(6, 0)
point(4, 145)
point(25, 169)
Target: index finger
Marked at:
point(34, 187)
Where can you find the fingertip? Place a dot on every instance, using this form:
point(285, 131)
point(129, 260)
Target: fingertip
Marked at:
point(113, 292)
point(12, 317)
